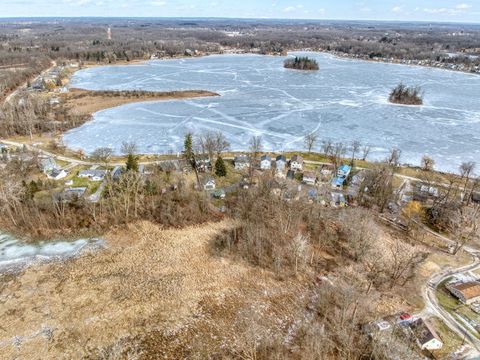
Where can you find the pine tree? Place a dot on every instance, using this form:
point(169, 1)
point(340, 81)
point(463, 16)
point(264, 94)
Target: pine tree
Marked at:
point(220, 168)
point(132, 163)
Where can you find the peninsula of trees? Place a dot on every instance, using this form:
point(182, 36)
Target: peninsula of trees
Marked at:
point(406, 95)
point(301, 63)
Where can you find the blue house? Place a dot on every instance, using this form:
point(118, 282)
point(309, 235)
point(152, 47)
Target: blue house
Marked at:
point(343, 171)
point(337, 182)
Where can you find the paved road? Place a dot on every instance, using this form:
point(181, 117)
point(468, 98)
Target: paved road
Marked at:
point(433, 307)
point(25, 84)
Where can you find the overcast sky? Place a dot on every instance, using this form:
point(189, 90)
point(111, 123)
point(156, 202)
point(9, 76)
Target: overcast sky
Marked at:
point(424, 10)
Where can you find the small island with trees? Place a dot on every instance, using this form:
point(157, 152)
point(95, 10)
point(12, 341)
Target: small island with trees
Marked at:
point(301, 63)
point(406, 95)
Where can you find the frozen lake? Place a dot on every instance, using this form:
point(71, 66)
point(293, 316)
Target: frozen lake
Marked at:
point(16, 254)
point(346, 100)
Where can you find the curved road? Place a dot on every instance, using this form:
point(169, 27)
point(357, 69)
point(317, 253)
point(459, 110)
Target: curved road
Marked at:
point(433, 307)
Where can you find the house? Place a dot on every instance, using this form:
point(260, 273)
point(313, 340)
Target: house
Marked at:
point(266, 162)
point(280, 163)
point(309, 178)
point(57, 174)
point(338, 200)
point(291, 174)
point(296, 163)
point(219, 194)
point(467, 292)
point(241, 162)
point(423, 192)
point(337, 183)
point(203, 162)
point(70, 194)
point(343, 171)
point(48, 165)
point(93, 174)
point(209, 183)
point(425, 335)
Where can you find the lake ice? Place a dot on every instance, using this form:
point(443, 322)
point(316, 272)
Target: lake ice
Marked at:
point(15, 253)
point(346, 100)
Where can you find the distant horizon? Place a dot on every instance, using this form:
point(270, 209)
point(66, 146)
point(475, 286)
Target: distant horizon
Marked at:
point(441, 11)
point(450, 22)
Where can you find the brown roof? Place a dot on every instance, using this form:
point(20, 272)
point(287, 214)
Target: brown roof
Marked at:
point(469, 290)
point(422, 331)
point(297, 158)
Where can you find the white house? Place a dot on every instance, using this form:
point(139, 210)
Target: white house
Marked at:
point(309, 178)
point(241, 162)
point(425, 335)
point(467, 292)
point(209, 184)
point(57, 174)
point(93, 174)
point(280, 163)
point(266, 162)
point(296, 163)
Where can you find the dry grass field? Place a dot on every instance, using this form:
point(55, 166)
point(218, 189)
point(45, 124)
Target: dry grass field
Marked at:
point(86, 102)
point(152, 293)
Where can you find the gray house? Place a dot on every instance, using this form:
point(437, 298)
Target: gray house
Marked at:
point(93, 174)
point(241, 162)
point(266, 162)
point(281, 163)
point(209, 183)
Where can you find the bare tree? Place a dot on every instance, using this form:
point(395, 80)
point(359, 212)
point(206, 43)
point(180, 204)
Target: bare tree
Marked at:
point(327, 147)
point(102, 154)
point(466, 170)
point(310, 140)
point(336, 154)
point(365, 151)
point(255, 147)
point(427, 163)
point(393, 159)
point(129, 148)
point(221, 143)
point(355, 148)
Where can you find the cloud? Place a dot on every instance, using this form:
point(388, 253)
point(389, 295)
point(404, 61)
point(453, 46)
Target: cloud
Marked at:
point(397, 9)
point(290, 9)
point(158, 3)
point(459, 9)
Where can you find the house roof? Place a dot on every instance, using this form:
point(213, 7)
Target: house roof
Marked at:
point(241, 159)
point(92, 173)
point(266, 157)
point(207, 180)
point(469, 290)
point(297, 158)
point(309, 175)
point(281, 158)
point(422, 331)
point(48, 163)
point(345, 168)
point(337, 181)
point(56, 172)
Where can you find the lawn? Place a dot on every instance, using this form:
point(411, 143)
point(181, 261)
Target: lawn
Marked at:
point(451, 341)
point(455, 307)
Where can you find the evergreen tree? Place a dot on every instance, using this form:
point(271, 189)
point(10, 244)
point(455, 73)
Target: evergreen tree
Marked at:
point(188, 147)
point(220, 168)
point(132, 163)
